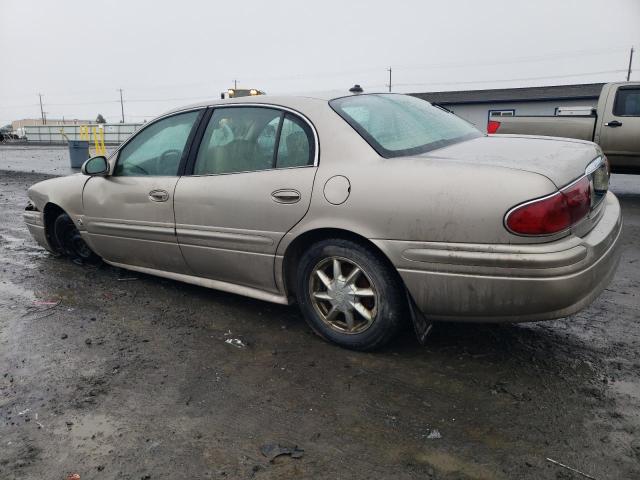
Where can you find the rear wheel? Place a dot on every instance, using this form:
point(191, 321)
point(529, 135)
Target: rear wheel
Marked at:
point(69, 241)
point(349, 296)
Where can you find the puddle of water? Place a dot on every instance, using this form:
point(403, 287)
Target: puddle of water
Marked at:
point(625, 387)
point(15, 294)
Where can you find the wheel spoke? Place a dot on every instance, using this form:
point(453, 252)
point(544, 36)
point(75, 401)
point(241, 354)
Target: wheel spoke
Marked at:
point(337, 269)
point(362, 310)
point(353, 275)
point(364, 292)
point(348, 316)
point(323, 278)
point(322, 296)
point(332, 313)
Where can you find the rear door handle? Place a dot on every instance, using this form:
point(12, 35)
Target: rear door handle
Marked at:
point(286, 195)
point(158, 195)
point(614, 123)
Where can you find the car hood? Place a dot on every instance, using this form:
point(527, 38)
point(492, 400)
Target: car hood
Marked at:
point(559, 159)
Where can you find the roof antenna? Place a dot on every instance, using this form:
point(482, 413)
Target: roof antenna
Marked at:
point(356, 89)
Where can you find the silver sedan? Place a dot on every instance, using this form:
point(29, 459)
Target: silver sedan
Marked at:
point(369, 210)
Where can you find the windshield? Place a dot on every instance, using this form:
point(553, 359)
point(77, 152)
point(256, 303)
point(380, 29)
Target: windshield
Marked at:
point(397, 125)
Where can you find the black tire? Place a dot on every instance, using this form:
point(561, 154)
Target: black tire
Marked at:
point(391, 309)
point(69, 242)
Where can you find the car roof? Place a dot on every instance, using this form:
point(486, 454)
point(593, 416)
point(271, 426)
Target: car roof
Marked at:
point(293, 101)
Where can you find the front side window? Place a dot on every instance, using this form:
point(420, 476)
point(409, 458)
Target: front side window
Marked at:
point(248, 139)
point(397, 125)
point(627, 102)
point(158, 148)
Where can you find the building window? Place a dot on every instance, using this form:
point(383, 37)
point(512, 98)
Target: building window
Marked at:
point(501, 113)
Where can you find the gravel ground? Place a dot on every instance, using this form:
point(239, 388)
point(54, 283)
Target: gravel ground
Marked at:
point(116, 375)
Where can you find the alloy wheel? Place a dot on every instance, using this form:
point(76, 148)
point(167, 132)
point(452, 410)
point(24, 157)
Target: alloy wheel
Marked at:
point(343, 295)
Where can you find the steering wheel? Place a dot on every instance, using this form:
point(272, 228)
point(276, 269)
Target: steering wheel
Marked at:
point(138, 167)
point(168, 161)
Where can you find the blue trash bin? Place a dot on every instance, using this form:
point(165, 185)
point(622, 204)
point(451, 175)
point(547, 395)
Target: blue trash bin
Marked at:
point(78, 152)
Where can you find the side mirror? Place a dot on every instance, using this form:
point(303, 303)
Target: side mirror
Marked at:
point(95, 166)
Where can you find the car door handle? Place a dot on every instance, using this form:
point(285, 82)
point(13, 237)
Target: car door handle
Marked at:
point(614, 123)
point(286, 195)
point(158, 195)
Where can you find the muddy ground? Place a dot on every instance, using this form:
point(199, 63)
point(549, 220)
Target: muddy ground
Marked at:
point(130, 377)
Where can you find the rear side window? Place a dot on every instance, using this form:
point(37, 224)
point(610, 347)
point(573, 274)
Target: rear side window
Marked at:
point(249, 139)
point(627, 102)
point(295, 148)
point(398, 125)
point(239, 139)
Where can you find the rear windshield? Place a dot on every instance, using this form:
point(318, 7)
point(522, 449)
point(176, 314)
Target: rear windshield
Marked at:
point(397, 125)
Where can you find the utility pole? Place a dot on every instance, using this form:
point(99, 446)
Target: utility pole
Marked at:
point(44, 120)
point(121, 105)
point(630, 60)
point(389, 85)
point(235, 84)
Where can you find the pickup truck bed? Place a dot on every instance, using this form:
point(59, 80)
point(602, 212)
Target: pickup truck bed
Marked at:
point(615, 126)
point(580, 127)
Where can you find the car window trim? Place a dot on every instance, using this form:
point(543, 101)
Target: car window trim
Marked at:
point(188, 145)
point(198, 141)
point(276, 147)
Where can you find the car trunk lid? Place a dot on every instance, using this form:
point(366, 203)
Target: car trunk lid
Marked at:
point(561, 160)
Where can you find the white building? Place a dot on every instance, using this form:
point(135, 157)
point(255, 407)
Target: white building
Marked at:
point(477, 106)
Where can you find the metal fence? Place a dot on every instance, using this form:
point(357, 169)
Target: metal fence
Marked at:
point(114, 133)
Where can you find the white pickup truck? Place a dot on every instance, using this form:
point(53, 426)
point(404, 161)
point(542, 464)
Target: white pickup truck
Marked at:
point(614, 125)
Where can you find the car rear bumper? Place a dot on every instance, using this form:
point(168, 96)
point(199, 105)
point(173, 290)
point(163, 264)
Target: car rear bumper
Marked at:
point(510, 283)
point(35, 224)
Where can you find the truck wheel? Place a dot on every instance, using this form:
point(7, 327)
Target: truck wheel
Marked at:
point(349, 296)
point(69, 241)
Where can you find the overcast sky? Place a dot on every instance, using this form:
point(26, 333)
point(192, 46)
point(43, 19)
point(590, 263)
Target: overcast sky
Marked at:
point(168, 53)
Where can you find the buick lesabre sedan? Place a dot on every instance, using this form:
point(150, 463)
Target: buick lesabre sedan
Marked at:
point(369, 210)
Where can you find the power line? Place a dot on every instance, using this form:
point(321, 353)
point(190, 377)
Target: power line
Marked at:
point(523, 59)
point(511, 79)
point(324, 74)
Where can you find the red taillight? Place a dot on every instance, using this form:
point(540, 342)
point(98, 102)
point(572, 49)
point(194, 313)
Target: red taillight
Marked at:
point(578, 199)
point(493, 126)
point(554, 213)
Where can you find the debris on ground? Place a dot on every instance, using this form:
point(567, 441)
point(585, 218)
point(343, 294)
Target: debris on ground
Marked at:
point(555, 462)
point(434, 434)
point(236, 342)
point(274, 450)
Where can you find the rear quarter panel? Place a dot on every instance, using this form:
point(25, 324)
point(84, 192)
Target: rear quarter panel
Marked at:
point(406, 198)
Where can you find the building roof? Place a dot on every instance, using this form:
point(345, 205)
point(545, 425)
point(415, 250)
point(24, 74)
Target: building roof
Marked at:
point(526, 94)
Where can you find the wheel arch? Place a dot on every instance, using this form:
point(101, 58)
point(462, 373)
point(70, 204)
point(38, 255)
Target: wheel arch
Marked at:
point(298, 246)
point(50, 212)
